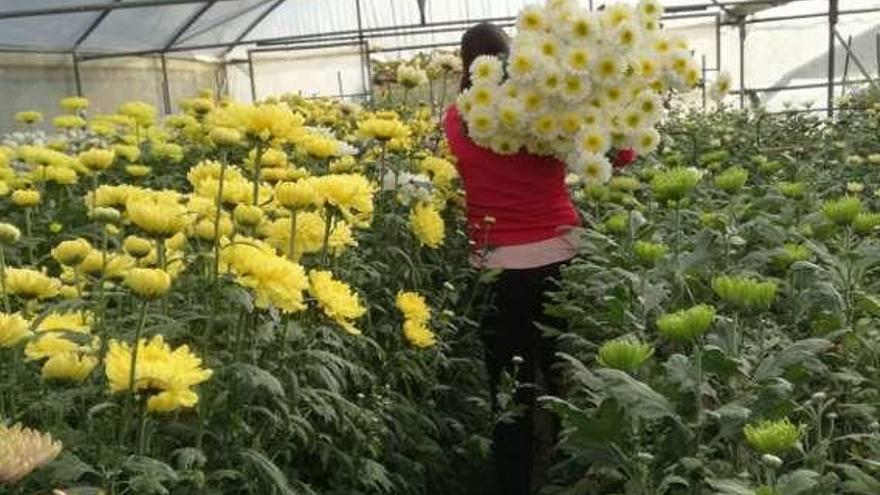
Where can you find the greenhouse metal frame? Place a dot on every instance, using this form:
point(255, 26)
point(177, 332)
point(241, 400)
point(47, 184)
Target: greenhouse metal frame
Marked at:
point(731, 14)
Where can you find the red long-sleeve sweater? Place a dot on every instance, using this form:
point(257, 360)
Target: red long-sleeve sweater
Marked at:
point(525, 194)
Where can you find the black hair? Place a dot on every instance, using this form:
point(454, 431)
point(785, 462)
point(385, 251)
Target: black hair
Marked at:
point(483, 39)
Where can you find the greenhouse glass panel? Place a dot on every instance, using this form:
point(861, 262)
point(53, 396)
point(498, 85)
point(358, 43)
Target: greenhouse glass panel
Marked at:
point(144, 28)
point(224, 22)
point(56, 32)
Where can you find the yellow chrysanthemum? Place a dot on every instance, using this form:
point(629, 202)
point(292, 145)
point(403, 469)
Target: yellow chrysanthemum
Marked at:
point(69, 366)
point(413, 306)
point(418, 334)
point(157, 217)
point(76, 322)
point(31, 284)
point(336, 299)
point(23, 451)
point(427, 224)
point(171, 374)
point(148, 283)
point(71, 253)
point(13, 329)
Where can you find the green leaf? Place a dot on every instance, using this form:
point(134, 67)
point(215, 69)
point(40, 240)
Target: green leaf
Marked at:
point(859, 482)
point(637, 398)
point(68, 468)
point(729, 487)
point(257, 378)
point(797, 482)
point(801, 353)
point(267, 470)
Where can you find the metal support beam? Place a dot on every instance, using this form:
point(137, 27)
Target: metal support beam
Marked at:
point(718, 42)
point(846, 66)
point(250, 62)
point(422, 12)
point(815, 15)
point(855, 58)
point(250, 27)
point(91, 29)
point(188, 24)
point(703, 68)
point(166, 88)
point(97, 7)
point(215, 23)
point(832, 29)
point(742, 63)
point(365, 62)
point(77, 77)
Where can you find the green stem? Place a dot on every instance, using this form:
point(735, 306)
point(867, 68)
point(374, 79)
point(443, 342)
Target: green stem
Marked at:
point(29, 232)
point(124, 419)
point(258, 157)
point(328, 227)
point(292, 241)
point(142, 430)
point(219, 206)
point(698, 364)
point(6, 307)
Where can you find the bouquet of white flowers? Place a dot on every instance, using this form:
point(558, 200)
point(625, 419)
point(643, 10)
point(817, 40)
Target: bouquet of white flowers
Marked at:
point(577, 84)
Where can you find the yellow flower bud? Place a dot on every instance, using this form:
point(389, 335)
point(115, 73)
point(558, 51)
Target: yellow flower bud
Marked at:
point(71, 253)
point(247, 215)
point(137, 246)
point(148, 283)
point(9, 234)
point(97, 159)
point(26, 197)
point(295, 194)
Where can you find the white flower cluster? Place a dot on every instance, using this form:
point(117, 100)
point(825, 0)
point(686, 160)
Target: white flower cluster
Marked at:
point(578, 84)
point(410, 76)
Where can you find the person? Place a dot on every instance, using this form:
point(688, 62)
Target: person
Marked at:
point(521, 220)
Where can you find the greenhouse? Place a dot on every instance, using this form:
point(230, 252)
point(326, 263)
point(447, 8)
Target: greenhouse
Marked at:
point(440, 247)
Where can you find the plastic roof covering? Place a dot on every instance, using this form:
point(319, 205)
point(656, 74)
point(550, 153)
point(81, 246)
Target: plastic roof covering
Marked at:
point(152, 28)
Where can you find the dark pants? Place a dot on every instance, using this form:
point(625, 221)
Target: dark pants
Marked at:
point(517, 300)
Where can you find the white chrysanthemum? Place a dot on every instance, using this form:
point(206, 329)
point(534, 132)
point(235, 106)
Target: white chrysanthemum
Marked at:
point(532, 18)
point(624, 36)
point(660, 45)
point(608, 69)
point(650, 9)
point(645, 140)
point(511, 113)
point(577, 59)
point(594, 169)
point(593, 140)
point(631, 120)
point(575, 88)
point(545, 127)
point(487, 69)
point(592, 116)
point(511, 89)
point(411, 77)
point(484, 95)
point(504, 144)
point(550, 80)
point(548, 45)
point(571, 123)
point(650, 105)
point(616, 14)
point(524, 63)
point(582, 27)
point(719, 89)
point(464, 102)
point(445, 62)
point(540, 148)
point(482, 122)
point(646, 67)
point(533, 101)
point(614, 96)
